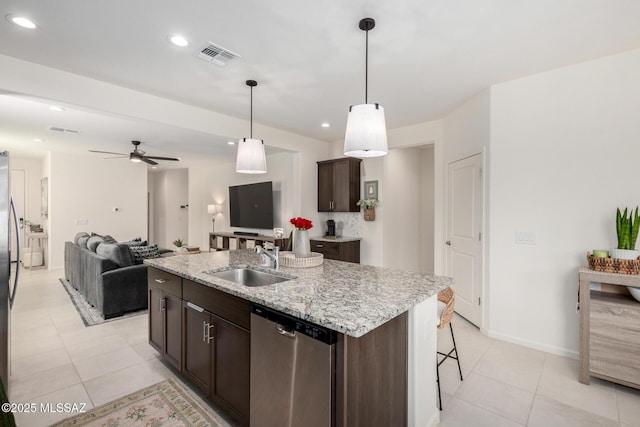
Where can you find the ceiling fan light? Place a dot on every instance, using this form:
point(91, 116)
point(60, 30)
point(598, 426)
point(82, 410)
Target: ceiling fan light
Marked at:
point(134, 158)
point(251, 157)
point(366, 134)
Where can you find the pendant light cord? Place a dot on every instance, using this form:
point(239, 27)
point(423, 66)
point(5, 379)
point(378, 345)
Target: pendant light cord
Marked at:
point(251, 115)
point(366, 68)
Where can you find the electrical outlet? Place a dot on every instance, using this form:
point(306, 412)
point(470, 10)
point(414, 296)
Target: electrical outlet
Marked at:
point(526, 237)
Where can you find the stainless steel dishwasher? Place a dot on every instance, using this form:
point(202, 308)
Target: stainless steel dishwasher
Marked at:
point(292, 371)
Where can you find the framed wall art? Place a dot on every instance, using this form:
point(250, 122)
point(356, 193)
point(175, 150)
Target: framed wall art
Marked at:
point(371, 190)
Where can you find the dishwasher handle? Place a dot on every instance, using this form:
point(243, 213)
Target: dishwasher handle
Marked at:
point(283, 331)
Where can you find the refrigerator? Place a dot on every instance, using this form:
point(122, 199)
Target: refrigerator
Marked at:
point(8, 280)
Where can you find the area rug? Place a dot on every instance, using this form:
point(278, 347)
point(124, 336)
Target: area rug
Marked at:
point(165, 404)
point(91, 316)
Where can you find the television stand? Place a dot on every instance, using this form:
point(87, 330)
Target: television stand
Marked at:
point(241, 240)
point(245, 233)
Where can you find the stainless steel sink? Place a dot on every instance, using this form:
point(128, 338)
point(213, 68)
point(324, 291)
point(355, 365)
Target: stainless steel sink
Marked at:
point(250, 277)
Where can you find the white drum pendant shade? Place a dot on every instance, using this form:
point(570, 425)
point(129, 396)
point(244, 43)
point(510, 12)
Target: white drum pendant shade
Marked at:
point(366, 134)
point(251, 157)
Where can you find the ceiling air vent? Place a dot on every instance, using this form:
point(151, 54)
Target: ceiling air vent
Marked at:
point(216, 54)
point(58, 129)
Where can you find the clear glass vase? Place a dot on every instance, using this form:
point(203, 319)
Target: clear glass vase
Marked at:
point(301, 244)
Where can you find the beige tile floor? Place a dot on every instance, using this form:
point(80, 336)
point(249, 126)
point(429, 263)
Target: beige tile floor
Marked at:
point(56, 359)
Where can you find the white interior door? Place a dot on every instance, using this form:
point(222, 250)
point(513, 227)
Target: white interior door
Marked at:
point(18, 183)
point(464, 239)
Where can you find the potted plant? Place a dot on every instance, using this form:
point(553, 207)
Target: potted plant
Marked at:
point(627, 230)
point(179, 244)
point(369, 206)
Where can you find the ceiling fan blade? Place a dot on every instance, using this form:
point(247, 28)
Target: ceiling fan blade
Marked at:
point(146, 160)
point(107, 152)
point(118, 157)
point(163, 158)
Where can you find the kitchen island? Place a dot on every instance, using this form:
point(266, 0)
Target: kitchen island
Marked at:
point(384, 320)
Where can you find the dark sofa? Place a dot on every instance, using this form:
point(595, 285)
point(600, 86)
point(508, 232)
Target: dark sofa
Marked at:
point(105, 274)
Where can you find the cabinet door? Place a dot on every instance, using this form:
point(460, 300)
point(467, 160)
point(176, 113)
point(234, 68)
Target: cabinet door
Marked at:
point(156, 320)
point(173, 330)
point(341, 187)
point(197, 348)
point(231, 369)
point(325, 187)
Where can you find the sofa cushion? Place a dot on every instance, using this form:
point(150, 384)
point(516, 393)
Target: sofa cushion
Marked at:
point(93, 242)
point(78, 235)
point(118, 253)
point(82, 241)
point(140, 253)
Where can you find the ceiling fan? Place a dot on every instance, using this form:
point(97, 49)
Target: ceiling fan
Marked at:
point(137, 156)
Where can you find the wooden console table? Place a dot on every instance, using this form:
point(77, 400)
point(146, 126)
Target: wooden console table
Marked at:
point(241, 241)
point(609, 329)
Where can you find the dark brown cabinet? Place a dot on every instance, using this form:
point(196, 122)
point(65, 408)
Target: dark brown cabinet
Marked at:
point(339, 185)
point(217, 351)
point(165, 316)
point(341, 251)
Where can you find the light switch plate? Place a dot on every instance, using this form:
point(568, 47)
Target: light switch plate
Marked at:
point(526, 237)
point(82, 221)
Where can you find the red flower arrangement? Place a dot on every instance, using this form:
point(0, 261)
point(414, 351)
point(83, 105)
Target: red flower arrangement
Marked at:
point(301, 223)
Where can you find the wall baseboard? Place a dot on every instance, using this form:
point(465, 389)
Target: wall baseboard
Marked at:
point(533, 344)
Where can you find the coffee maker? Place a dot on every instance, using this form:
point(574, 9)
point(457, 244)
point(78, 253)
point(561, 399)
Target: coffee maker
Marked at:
point(331, 228)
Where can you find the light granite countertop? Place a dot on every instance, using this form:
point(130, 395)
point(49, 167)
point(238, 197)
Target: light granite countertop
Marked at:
point(336, 239)
point(349, 298)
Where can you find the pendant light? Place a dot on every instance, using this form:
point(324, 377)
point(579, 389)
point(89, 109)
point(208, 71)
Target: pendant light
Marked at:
point(366, 134)
point(251, 157)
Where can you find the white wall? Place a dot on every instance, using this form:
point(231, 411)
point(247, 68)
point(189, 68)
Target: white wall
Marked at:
point(402, 214)
point(294, 185)
point(85, 187)
point(169, 190)
point(564, 154)
point(427, 209)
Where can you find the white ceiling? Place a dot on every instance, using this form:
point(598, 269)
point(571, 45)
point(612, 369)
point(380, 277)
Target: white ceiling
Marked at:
point(426, 57)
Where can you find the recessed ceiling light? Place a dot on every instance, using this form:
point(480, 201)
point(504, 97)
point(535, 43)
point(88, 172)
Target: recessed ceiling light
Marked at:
point(178, 40)
point(38, 140)
point(154, 167)
point(231, 143)
point(56, 108)
point(22, 21)
point(325, 125)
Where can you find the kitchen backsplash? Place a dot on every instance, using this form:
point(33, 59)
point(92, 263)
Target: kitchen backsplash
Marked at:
point(348, 224)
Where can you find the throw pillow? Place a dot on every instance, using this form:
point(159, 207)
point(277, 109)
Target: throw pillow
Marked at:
point(140, 253)
point(108, 239)
point(136, 242)
point(118, 253)
point(79, 235)
point(93, 242)
point(82, 241)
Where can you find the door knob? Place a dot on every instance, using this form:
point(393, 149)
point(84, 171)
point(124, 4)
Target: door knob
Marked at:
point(448, 243)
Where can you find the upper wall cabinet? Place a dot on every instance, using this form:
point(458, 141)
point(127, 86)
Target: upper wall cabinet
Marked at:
point(339, 185)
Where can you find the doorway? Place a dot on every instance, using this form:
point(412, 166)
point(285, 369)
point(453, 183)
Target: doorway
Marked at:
point(168, 206)
point(465, 219)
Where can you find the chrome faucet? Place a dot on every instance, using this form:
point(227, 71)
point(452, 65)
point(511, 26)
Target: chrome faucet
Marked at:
point(272, 255)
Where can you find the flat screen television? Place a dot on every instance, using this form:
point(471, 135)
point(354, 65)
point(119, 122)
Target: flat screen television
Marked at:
point(251, 205)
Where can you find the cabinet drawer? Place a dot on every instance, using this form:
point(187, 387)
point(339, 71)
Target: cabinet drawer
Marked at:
point(328, 249)
point(232, 308)
point(615, 337)
point(168, 282)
